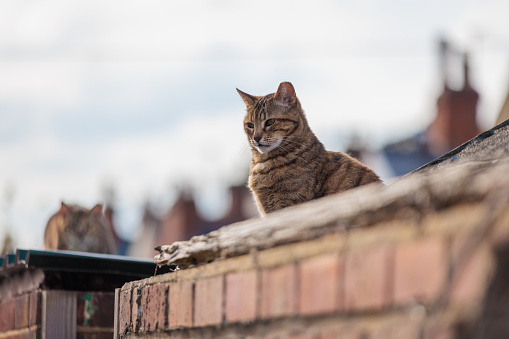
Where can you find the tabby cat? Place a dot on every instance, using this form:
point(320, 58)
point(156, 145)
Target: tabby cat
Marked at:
point(76, 228)
point(289, 164)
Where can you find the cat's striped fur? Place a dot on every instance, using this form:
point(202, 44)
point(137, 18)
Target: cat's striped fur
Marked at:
point(289, 164)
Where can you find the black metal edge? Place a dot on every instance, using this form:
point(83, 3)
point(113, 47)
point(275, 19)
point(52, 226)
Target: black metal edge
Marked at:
point(10, 259)
point(85, 262)
point(22, 255)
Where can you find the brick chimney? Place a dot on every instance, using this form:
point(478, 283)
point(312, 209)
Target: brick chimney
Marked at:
point(241, 199)
point(182, 221)
point(455, 121)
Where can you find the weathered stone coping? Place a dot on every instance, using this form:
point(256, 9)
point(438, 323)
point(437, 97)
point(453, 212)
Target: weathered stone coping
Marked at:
point(408, 199)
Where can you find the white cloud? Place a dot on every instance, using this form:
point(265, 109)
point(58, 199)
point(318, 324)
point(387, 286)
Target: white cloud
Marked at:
point(482, 20)
point(41, 85)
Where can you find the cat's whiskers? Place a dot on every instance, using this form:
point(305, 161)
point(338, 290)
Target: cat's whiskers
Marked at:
point(295, 136)
point(289, 142)
point(283, 148)
point(295, 142)
point(245, 149)
point(290, 146)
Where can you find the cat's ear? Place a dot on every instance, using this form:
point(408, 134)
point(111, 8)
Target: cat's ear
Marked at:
point(249, 100)
point(64, 209)
point(285, 94)
point(97, 209)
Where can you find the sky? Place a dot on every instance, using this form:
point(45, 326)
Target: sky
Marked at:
point(139, 97)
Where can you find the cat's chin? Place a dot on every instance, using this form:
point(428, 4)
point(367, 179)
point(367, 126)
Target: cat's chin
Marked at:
point(264, 149)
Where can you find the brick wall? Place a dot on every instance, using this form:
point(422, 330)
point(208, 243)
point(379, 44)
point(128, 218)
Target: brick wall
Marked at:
point(20, 317)
point(44, 314)
point(428, 277)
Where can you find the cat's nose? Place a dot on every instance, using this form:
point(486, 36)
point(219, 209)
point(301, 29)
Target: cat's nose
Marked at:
point(257, 138)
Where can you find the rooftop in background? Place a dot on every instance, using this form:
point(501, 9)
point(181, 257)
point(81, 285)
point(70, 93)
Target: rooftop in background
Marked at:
point(455, 122)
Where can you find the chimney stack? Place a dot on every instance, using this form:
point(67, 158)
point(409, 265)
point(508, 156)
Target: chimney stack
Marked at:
point(444, 51)
point(466, 72)
point(455, 121)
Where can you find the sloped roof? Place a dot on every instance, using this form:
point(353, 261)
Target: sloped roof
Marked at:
point(487, 146)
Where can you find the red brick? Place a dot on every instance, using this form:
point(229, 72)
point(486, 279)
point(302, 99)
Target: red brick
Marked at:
point(241, 296)
point(7, 315)
point(136, 308)
point(153, 307)
point(406, 330)
point(438, 332)
point(180, 301)
point(34, 317)
point(95, 309)
point(344, 333)
point(472, 266)
point(21, 311)
point(158, 309)
point(499, 233)
point(95, 335)
point(208, 301)
point(471, 280)
point(145, 307)
point(304, 336)
point(420, 270)
point(279, 291)
point(320, 284)
point(28, 335)
point(367, 279)
point(125, 311)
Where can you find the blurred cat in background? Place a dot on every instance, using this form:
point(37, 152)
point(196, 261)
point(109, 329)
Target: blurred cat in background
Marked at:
point(75, 228)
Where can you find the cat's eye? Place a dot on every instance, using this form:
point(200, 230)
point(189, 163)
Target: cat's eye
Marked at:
point(270, 122)
point(250, 125)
